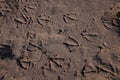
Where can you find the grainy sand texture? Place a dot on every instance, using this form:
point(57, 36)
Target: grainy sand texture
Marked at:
point(59, 39)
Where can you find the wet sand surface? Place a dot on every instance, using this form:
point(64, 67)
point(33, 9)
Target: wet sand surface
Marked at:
point(59, 39)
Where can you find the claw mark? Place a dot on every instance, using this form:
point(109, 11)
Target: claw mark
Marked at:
point(72, 41)
point(3, 75)
point(42, 20)
point(71, 16)
point(20, 20)
point(86, 37)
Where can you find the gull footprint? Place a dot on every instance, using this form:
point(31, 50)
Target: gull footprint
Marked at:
point(70, 17)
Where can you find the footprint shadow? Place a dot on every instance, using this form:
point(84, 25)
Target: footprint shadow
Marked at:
point(113, 21)
point(6, 52)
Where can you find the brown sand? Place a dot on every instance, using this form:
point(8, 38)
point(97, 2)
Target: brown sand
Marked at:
point(59, 39)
